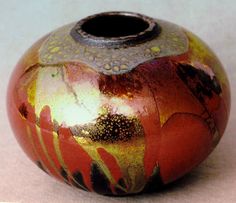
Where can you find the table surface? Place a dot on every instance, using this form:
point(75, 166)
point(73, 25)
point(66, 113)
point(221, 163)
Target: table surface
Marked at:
point(23, 22)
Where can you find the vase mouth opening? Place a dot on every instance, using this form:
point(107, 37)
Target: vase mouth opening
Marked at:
point(114, 29)
point(115, 25)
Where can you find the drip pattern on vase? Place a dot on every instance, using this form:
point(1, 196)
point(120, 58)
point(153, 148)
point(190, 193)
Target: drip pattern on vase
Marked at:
point(119, 121)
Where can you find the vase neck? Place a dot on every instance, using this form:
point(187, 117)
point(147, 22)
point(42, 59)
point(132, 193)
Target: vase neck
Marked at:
point(115, 29)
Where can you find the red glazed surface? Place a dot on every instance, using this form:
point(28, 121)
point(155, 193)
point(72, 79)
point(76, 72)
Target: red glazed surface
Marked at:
point(119, 133)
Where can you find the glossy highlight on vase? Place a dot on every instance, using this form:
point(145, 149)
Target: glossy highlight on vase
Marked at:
point(118, 108)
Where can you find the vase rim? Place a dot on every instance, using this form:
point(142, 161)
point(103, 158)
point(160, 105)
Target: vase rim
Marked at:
point(115, 29)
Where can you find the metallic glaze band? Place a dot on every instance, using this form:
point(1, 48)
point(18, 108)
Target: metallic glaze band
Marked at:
point(60, 47)
point(152, 31)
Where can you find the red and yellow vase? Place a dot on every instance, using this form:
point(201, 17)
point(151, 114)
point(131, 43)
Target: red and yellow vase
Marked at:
point(118, 103)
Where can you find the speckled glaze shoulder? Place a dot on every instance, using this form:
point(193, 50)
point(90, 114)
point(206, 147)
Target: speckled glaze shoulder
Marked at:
point(112, 59)
point(118, 103)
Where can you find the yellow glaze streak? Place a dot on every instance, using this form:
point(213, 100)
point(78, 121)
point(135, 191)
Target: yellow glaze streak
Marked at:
point(129, 156)
point(45, 150)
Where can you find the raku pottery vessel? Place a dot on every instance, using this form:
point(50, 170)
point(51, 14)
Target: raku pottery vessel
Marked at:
point(118, 103)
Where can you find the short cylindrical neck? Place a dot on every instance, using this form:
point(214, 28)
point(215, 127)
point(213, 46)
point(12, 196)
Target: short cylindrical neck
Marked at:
point(115, 29)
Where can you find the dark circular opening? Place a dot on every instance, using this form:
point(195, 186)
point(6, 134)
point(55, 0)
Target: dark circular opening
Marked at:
point(115, 29)
point(114, 26)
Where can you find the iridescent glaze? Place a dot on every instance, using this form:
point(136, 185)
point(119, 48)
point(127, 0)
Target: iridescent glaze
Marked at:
point(119, 120)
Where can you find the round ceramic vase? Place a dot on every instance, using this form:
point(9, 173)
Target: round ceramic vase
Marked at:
point(118, 103)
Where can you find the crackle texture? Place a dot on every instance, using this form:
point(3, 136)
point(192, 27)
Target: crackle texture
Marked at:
point(203, 184)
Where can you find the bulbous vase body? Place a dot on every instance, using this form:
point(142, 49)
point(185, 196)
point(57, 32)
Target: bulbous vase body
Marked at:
point(118, 103)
